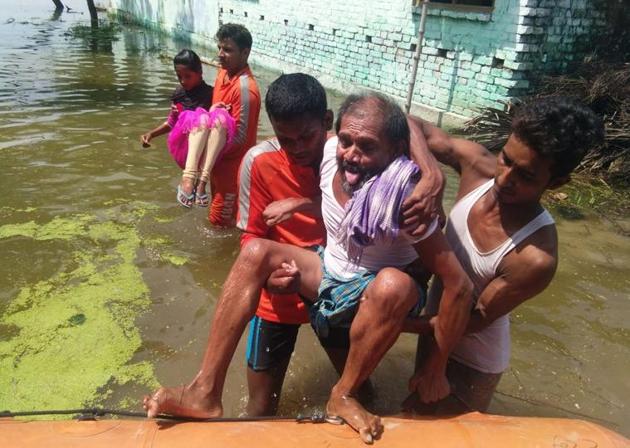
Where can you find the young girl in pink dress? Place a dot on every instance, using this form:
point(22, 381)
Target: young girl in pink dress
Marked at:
point(198, 133)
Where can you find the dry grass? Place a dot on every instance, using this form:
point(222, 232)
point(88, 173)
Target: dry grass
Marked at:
point(605, 88)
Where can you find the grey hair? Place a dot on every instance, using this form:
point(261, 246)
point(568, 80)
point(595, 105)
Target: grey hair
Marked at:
point(395, 124)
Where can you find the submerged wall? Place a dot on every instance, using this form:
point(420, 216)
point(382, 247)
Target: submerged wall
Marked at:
point(471, 58)
point(195, 19)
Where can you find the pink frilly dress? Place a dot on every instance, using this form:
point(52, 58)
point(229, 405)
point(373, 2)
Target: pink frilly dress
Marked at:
point(184, 122)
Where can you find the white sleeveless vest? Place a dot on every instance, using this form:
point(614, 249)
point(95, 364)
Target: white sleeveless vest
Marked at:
point(489, 349)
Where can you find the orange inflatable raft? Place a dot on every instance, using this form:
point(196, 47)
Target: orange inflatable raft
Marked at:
point(470, 430)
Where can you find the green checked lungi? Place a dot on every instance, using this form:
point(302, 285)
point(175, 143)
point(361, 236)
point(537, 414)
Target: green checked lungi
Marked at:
point(338, 300)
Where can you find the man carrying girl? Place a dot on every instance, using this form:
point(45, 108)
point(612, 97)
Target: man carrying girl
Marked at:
point(201, 136)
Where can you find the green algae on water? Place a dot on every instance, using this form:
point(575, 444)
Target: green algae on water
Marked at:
point(57, 229)
point(74, 333)
point(156, 247)
point(176, 260)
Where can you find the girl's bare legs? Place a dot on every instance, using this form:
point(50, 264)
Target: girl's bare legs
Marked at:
point(214, 144)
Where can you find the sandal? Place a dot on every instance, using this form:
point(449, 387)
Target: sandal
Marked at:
point(185, 200)
point(201, 200)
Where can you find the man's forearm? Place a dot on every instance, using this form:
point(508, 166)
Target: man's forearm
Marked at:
point(451, 321)
point(422, 156)
point(438, 142)
point(311, 206)
point(417, 325)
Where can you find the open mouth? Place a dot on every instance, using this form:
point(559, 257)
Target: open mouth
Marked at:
point(352, 178)
point(352, 173)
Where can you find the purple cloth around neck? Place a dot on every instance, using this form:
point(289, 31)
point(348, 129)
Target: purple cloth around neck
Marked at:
point(373, 211)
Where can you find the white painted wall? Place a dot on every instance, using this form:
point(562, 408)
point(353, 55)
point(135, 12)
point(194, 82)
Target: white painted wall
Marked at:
point(198, 19)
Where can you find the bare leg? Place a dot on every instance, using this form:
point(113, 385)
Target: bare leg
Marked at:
point(374, 330)
point(236, 306)
point(338, 357)
point(214, 145)
point(264, 389)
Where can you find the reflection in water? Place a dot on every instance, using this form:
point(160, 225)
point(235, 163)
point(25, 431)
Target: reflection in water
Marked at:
point(72, 105)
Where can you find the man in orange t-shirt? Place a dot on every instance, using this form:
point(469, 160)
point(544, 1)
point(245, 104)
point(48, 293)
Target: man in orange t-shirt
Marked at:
point(278, 180)
point(236, 87)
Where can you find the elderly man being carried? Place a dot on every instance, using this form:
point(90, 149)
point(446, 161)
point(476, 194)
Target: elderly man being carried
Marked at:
point(358, 280)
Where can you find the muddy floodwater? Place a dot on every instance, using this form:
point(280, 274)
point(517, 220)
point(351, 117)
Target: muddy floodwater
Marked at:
point(107, 285)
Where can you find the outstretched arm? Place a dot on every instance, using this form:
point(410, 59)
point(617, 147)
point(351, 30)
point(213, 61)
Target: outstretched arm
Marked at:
point(468, 158)
point(162, 129)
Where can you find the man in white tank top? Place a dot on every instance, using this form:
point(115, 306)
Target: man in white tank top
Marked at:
point(505, 240)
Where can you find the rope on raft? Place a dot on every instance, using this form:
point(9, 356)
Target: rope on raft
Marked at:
point(92, 413)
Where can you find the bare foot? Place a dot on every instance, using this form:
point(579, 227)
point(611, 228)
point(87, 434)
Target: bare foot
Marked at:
point(201, 188)
point(184, 401)
point(350, 411)
point(201, 197)
point(187, 185)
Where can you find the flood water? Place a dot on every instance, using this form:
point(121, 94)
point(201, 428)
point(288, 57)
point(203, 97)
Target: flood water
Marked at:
point(107, 285)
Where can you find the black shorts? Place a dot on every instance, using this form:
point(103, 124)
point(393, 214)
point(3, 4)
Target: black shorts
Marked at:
point(271, 343)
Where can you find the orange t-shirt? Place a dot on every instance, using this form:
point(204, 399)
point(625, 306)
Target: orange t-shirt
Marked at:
point(267, 175)
point(241, 93)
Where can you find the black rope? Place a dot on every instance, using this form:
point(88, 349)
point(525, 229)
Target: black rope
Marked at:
point(92, 413)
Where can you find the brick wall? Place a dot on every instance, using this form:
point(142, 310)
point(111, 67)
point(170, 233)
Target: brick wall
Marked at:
point(470, 59)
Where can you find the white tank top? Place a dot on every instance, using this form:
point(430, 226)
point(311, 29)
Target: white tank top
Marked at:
point(489, 349)
point(374, 258)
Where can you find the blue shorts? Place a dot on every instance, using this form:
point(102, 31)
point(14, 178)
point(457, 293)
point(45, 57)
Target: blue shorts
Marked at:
point(270, 344)
point(338, 300)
